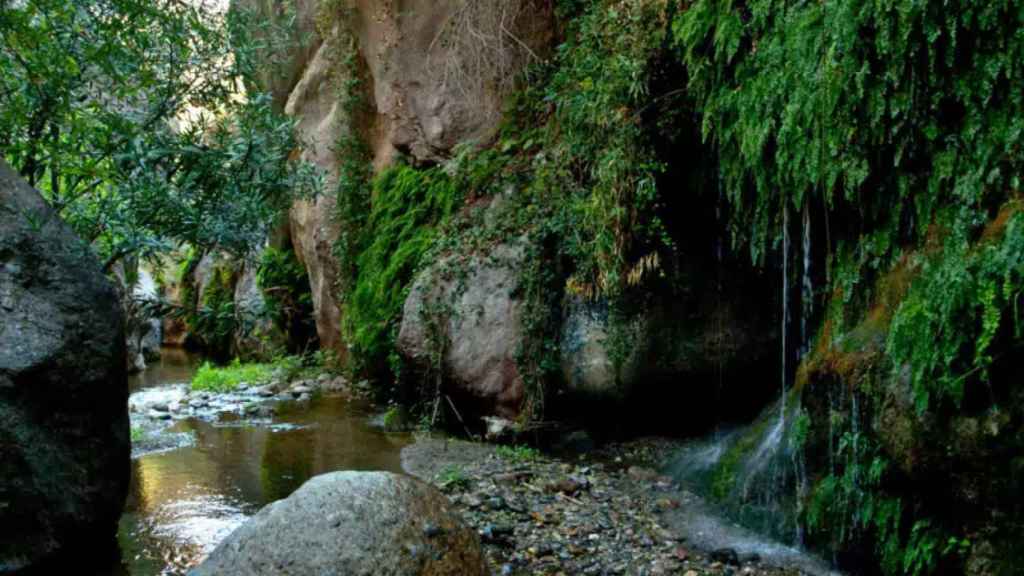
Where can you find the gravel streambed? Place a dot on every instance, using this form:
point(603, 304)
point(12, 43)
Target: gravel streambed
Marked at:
point(606, 512)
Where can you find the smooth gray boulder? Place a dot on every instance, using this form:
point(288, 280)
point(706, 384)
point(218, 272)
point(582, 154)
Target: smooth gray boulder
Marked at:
point(472, 304)
point(352, 524)
point(64, 441)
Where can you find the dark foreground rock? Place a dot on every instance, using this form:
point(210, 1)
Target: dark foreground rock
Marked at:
point(64, 447)
point(352, 523)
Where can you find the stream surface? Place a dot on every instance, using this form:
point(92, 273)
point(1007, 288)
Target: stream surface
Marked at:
point(184, 499)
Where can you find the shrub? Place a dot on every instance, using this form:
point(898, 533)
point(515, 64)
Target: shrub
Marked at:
point(518, 453)
point(453, 478)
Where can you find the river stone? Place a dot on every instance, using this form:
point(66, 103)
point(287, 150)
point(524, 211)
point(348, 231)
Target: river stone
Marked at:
point(352, 523)
point(64, 442)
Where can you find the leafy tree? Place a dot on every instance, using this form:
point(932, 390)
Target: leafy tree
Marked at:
point(128, 115)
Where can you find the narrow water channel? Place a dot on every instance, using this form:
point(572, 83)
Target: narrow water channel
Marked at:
point(189, 495)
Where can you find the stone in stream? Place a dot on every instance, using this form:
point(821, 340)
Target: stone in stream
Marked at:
point(726, 556)
point(64, 442)
point(352, 523)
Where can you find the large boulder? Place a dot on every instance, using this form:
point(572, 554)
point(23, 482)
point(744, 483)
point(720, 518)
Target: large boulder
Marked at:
point(467, 308)
point(352, 523)
point(64, 446)
point(601, 359)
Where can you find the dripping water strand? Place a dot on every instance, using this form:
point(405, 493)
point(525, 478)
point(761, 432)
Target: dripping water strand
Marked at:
point(807, 286)
point(785, 304)
point(719, 328)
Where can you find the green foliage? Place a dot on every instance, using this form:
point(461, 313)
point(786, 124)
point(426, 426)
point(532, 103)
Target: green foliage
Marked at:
point(213, 321)
point(900, 120)
point(124, 113)
point(965, 296)
point(138, 434)
point(225, 379)
point(392, 418)
point(518, 453)
point(601, 157)
point(453, 479)
point(285, 286)
point(409, 206)
point(883, 110)
point(852, 503)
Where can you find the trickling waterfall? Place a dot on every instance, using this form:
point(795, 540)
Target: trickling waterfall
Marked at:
point(785, 303)
point(756, 474)
point(719, 329)
point(807, 286)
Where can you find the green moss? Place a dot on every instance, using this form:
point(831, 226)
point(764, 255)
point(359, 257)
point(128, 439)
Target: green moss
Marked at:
point(409, 206)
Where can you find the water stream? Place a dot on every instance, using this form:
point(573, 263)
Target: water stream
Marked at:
point(187, 497)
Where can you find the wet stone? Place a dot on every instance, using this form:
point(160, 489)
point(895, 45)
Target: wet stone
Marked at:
point(726, 556)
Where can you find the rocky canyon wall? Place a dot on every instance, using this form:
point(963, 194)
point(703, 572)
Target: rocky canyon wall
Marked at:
point(434, 76)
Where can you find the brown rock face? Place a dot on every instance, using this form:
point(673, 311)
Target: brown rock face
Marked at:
point(436, 76)
point(64, 448)
point(354, 523)
point(442, 69)
point(314, 103)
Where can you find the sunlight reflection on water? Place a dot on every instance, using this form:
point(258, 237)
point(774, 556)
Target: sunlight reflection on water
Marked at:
point(185, 500)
